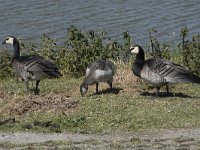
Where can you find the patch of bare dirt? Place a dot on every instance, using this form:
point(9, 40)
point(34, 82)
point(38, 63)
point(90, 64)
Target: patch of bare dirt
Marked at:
point(54, 103)
point(2, 94)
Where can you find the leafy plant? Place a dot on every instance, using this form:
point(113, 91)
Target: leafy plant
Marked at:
point(157, 49)
point(155, 45)
point(5, 65)
point(189, 51)
point(85, 47)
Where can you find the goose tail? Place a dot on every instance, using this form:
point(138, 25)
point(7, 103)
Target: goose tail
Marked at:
point(54, 74)
point(187, 78)
point(196, 79)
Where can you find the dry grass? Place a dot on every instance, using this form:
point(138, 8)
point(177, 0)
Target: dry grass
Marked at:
point(125, 79)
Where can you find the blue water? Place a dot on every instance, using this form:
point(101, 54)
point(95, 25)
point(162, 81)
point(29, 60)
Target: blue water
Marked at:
point(28, 19)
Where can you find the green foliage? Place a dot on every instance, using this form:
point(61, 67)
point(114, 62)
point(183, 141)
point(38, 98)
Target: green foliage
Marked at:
point(158, 50)
point(189, 51)
point(46, 48)
point(85, 47)
point(155, 45)
point(49, 48)
point(184, 46)
point(28, 49)
point(5, 65)
point(127, 44)
point(166, 51)
point(127, 40)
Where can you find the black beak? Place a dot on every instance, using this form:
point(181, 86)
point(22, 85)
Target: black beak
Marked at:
point(4, 42)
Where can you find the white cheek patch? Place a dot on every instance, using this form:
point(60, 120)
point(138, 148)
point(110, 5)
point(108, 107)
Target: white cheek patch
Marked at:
point(10, 40)
point(135, 50)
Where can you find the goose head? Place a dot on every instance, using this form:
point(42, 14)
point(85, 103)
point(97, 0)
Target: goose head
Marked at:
point(83, 89)
point(136, 49)
point(10, 40)
point(13, 41)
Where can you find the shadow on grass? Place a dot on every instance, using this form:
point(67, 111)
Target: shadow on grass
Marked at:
point(8, 121)
point(164, 94)
point(108, 91)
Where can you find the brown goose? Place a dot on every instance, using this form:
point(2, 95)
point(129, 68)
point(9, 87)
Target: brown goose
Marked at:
point(159, 72)
point(31, 67)
point(98, 71)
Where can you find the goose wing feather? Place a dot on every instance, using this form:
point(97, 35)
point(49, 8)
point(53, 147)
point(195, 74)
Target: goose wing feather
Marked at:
point(170, 71)
point(36, 63)
point(102, 65)
point(100, 70)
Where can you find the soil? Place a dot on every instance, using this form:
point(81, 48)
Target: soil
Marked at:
point(177, 139)
point(54, 103)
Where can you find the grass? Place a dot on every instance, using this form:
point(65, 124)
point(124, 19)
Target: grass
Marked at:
point(131, 107)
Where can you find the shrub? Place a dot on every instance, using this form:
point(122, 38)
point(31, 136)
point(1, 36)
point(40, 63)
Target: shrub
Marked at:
point(157, 49)
point(189, 51)
point(81, 48)
point(5, 65)
point(85, 47)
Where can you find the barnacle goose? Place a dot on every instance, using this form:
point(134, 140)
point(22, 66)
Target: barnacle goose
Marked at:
point(31, 67)
point(160, 72)
point(98, 71)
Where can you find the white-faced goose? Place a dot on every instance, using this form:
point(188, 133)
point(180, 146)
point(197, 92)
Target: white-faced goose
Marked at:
point(159, 72)
point(98, 71)
point(31, 67)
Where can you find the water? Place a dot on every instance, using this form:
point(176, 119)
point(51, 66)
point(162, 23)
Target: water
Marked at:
point(28, 19)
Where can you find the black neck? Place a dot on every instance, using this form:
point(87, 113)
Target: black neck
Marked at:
point(138, 63)
point(16, 53)
point(140, 56)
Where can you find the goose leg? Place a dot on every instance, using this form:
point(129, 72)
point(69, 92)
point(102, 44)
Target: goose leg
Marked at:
point(110, 84)
point(36, 87)
point(167, 87)
point(97, 85)
point(157, 91)
point(27, 87)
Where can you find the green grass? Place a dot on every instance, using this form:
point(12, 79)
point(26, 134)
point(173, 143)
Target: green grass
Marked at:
point(132, 108)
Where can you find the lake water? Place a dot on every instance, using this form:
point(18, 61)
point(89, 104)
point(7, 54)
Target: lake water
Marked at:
point(29, 18)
